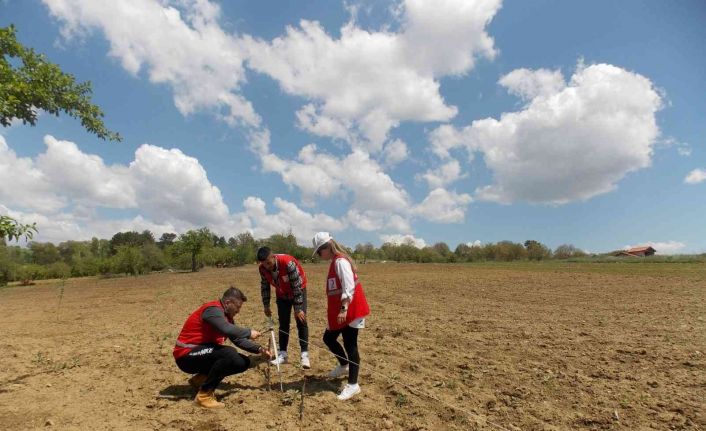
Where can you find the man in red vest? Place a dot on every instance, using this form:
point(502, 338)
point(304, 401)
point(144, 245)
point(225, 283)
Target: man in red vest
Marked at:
point(199, 347)
point(289, 280)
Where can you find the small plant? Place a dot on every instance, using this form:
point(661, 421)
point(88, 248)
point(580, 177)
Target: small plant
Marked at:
point(72, 363)
point(401, 400)
point(40, 359)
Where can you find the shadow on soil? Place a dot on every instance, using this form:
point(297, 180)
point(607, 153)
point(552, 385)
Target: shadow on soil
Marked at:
point(314, 385)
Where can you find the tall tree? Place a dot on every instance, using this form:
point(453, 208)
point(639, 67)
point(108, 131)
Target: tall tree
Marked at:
point(166, 239)
point(536, 250)
point(193, 242)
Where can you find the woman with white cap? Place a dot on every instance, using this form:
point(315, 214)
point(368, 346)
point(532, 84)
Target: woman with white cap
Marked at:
point(347, 309)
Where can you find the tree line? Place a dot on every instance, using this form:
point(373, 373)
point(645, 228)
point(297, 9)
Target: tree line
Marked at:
point(503, 251)
point(135, 253)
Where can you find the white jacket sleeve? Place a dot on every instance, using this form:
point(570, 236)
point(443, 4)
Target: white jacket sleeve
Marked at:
point(345, 274)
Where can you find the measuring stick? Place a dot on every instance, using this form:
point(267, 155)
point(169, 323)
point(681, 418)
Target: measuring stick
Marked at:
point(274, 343)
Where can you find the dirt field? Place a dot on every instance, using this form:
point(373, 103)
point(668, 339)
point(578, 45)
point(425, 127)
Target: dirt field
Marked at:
point(545, 347)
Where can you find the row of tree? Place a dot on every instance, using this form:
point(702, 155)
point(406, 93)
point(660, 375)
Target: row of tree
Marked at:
point(136, 253)
point(503, 251)
point(139, 253)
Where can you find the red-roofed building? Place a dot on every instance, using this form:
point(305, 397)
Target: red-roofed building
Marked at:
point(638, 252)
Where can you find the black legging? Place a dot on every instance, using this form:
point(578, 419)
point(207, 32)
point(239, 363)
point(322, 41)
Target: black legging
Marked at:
point(284, 312)
point(216, 361)
point(350, 343)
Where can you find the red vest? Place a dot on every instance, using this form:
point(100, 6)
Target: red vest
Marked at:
point(283, 288)
point(196, 331)
point(334, 289)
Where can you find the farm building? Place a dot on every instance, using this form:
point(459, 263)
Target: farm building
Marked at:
point(637, 252)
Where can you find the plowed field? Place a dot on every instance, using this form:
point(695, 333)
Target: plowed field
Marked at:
point(523, 346)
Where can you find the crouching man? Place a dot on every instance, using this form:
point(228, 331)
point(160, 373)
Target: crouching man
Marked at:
point(199, 348)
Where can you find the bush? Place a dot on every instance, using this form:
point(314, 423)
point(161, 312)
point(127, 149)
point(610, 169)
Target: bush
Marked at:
point(128, 260)
point(29, 272)
point(58, 270)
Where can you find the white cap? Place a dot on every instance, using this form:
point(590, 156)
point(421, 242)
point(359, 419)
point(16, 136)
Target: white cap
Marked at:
point(320, 239)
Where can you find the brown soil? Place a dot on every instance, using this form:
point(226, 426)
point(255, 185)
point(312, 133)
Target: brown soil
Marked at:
point(543, 347)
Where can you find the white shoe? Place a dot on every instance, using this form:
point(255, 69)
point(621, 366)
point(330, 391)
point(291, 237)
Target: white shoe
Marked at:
point(280, 359)
point(306, 364)
point(339, 371)
point(349, 391)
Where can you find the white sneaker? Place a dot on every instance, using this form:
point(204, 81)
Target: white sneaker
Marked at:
point(339, 371)
point(306, 364)
point(280, 359)
point(349, 391)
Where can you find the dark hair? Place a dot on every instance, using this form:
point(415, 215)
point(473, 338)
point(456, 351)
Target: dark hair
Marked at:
point(234, 293)
point(263, 253)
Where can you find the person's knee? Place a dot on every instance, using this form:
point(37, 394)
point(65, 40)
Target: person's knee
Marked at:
point(330, 338)
point(238, 363)
point(245, 362)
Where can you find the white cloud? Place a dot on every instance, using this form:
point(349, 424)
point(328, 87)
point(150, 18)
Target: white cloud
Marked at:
point(666, 247)
point(63, 226)
point(565, 146)
point(445, 174)
point(365, 82)
point(173, 186)
point(529, 84)
point(395, 152)
point(377, 202)
point(403, 239)
point(476, 243)
point(170, 191)
point(167, 185)
point(289, 217)
point(684, 150)
point(84, 178)
point(180, 45)
point(696, 176)
point(445, 138)
point(312, 120)
point(442, 206)
point(22, 184)
point(318, 174)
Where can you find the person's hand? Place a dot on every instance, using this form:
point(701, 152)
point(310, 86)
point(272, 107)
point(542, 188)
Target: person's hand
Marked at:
point(341, 318)
point(254, 334)
point(268, 312)
point(301, 316)
point(265, 353)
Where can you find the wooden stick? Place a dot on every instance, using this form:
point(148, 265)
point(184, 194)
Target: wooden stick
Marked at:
point(301, 401)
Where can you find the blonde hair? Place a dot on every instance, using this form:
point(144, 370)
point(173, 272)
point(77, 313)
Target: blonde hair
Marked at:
point(336, 248)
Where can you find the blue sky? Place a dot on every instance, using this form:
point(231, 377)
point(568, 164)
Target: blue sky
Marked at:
point(456, 121)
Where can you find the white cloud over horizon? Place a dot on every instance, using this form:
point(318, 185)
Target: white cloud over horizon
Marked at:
point(570, 142)
point(62, 188)
point(398, 239)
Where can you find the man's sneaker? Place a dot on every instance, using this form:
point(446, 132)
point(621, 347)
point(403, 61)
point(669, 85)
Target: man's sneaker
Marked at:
point(339, 371)
point(349, 391)
point(280, 359)
point(306, 364)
